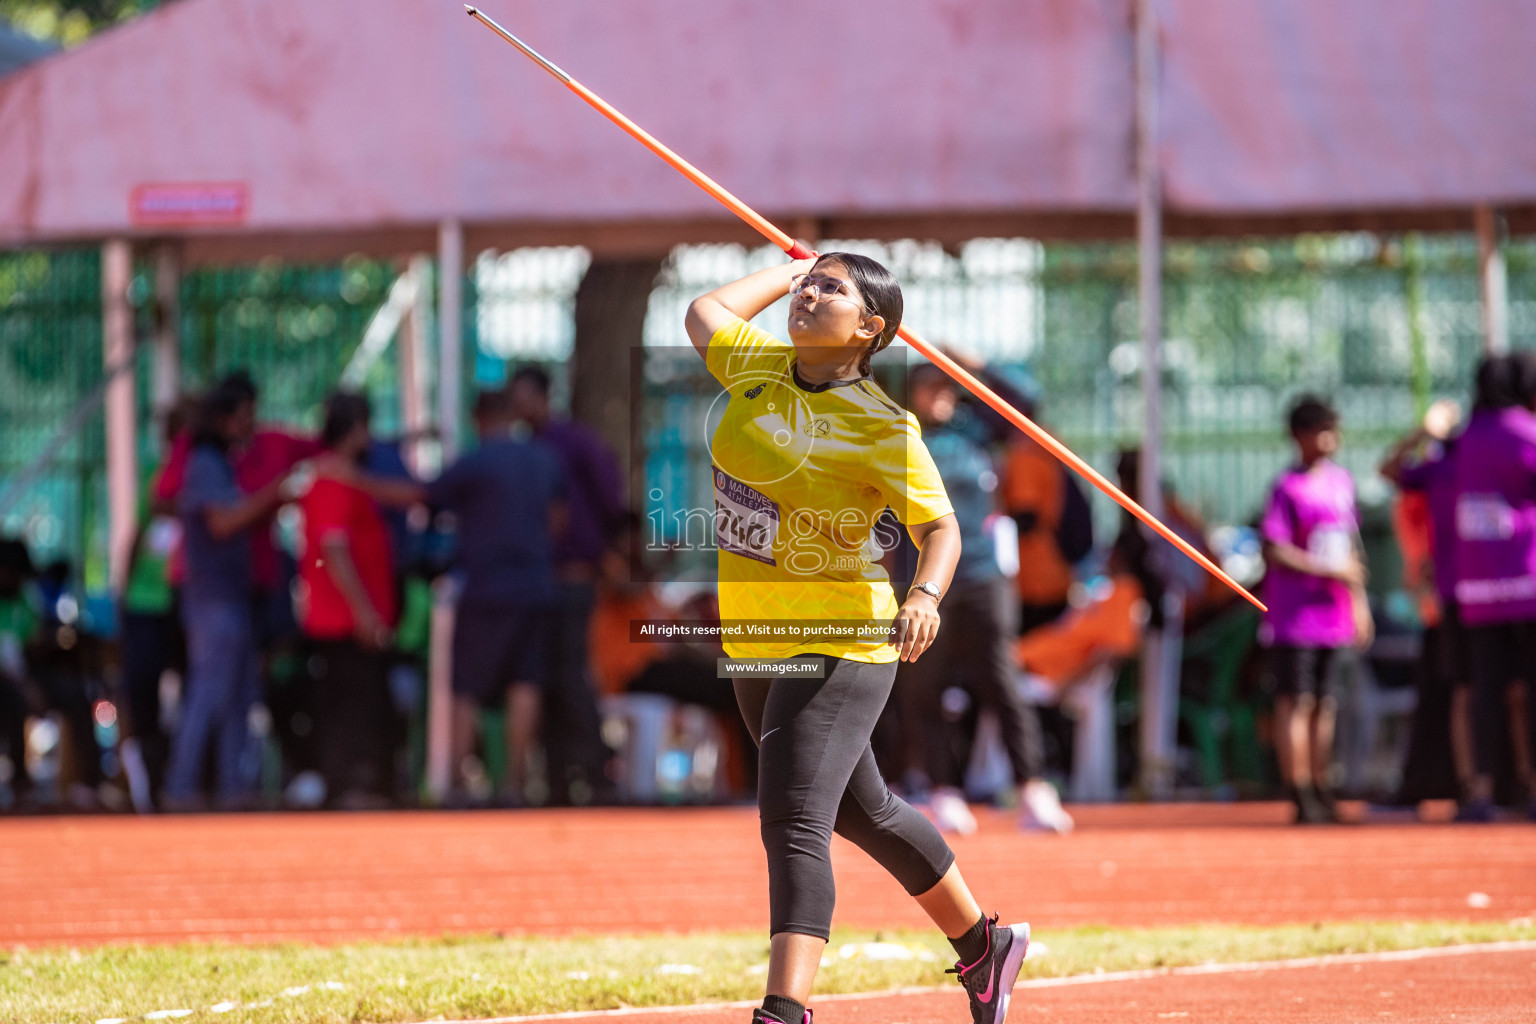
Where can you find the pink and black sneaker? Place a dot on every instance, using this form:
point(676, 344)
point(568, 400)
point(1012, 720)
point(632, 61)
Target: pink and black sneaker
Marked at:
point(762, 1016)
point(989, 981)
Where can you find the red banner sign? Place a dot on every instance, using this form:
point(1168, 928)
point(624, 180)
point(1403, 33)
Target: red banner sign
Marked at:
point(187, 204)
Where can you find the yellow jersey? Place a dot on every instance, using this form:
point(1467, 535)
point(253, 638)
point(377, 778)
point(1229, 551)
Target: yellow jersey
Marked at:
point(802, 473)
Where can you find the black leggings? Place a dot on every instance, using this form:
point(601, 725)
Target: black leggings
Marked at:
point(817, 775)
point(1499, 657)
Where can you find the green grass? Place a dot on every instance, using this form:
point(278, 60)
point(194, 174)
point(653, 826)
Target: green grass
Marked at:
point(484, 977)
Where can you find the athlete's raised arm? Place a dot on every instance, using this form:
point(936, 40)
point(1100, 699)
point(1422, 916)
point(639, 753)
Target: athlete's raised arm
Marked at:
point(742, 299)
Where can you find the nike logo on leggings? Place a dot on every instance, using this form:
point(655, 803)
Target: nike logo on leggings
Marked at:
point(770, 732)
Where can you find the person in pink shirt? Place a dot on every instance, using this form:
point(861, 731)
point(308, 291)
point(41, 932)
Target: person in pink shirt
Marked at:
point(1423, 465)
point(1314, 586)
point(1496, 569)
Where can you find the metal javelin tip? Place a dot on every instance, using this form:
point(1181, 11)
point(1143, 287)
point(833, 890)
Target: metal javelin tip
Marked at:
point(470, 10)
point(528, 51)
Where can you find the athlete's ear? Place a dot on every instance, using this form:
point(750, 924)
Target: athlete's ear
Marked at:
point(871, 328)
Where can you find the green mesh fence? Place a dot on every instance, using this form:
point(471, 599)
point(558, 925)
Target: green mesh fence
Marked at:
point(293, 328)
point(1381, 325)
point(50, 358)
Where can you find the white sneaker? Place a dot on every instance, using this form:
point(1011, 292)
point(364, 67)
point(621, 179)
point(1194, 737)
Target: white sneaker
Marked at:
point(1041, 809)
point(950, 811)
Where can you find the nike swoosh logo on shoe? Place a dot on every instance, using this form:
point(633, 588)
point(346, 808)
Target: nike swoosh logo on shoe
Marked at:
point(986, 997)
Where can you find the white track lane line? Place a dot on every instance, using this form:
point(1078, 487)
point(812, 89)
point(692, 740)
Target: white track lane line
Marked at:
point(1431, 953)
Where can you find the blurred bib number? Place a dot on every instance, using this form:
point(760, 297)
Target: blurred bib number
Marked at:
point(1331, 546)
point(1484, 517)
point(746, 520)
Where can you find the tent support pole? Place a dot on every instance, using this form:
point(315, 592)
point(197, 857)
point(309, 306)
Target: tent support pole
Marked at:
point(121, 425)
point(411, 353)
point(1159, 685)
point(1493, 283)
point(450, 345)
point(450, 277)
point(166, 386)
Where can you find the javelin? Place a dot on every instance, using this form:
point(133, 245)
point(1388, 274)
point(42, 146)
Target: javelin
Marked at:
point(797, 251)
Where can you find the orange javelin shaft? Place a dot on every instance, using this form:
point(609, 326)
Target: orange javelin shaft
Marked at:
point(796, 250)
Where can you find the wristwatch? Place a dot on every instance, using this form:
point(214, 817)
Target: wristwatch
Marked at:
point(931, 589)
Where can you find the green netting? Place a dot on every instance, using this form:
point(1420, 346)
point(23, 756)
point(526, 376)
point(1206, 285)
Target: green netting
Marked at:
point(293, 327)
point(1379, 324)
point(51, 357)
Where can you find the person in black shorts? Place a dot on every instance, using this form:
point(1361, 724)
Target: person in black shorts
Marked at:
point(807, 454)
point(1439, 760)
point(505, 499)
point(1314, 587)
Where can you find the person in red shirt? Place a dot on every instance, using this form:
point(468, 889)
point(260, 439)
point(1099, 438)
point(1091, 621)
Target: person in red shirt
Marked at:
point(347, 610)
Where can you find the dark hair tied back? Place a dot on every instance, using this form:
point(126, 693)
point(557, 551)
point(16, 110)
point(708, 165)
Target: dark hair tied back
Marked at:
point(882, 297)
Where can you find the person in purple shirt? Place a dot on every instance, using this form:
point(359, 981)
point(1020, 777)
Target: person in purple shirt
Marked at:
point(1424, 462)
point(1496, 566)
point(1314, 587)
point(594, 512)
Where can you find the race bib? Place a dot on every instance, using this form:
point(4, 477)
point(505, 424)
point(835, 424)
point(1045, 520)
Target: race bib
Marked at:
point(1331, 546)
point(1484, 517)
point(162, 536)
point(746, 520)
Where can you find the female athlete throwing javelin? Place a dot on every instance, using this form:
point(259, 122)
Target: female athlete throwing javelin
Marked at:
point(807, 452)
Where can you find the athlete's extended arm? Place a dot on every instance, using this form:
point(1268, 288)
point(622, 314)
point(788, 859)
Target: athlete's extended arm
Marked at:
point(938, 551)
point(742, 299)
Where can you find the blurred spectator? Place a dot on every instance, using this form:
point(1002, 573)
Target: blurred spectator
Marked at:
point(1108, 627)
point(595, 504)
point(1423, 465)
point(20, 697)
point(261, 457)
point(152, 640)
point(348, 611)
point(65, 661)
point(1158, 565)
point(1055, 524)
point(1315, 590)
point(980, 611)
point(222, 684)
point(506, 496)
point(1495, 475)
point(683, 671)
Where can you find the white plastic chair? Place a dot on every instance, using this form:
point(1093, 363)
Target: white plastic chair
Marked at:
point(646, 718)
point(1090, 701)
point(1370, 704)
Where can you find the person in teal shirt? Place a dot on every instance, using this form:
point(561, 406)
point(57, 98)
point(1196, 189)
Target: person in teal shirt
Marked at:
point(976, 650)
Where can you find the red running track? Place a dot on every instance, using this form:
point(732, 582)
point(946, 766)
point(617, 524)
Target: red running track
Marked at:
point(333, 878)
point(1485, 988)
